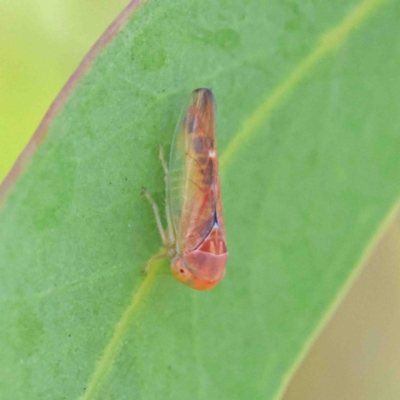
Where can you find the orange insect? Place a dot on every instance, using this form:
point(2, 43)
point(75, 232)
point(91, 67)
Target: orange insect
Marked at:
point(195, 237)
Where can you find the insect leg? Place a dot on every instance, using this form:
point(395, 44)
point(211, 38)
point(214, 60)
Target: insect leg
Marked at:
point(148, 264)
point(163, 162)
point(164, 253)
point(157, 215)
point(171, 236)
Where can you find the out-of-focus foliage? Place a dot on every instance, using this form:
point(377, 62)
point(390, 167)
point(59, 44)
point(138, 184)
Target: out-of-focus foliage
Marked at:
point(41, 43)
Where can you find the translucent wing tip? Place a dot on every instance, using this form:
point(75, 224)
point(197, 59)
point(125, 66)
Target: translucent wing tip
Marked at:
point(202, 97)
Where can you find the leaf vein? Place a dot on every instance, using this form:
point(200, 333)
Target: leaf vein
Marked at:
point(328, 42)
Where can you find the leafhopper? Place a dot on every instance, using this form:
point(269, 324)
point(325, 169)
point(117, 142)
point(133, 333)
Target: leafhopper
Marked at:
point(195, 238)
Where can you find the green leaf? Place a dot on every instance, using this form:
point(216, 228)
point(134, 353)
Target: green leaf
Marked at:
point(309, 141)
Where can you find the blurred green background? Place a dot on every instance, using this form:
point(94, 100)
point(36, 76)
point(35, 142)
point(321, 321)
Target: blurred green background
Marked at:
point(41, 44)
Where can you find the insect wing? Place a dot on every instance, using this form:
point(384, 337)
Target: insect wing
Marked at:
point(194, 191)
